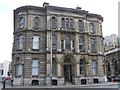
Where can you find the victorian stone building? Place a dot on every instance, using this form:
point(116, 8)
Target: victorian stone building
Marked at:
point(77, 46)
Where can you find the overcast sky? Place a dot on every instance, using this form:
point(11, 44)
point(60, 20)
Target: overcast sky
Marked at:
point(107, 8)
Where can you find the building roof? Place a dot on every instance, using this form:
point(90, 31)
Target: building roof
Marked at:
point(47, 7)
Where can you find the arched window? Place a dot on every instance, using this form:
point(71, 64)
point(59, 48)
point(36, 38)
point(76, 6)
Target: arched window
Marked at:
point(54, 63)
point(81, 44)
point(35, 67)
point(63, 23)
point(35, 42)
point(71, 24)
point(67, 23)
point(54, 41)
point(94, 67)
point(67, 42)
point(21, 22)
point(80, 25)
point(19, 68)
point(36, 23)
point(93, 45)
point(53, 23)
point(91, 28)
point(20, 41)
point(82, 66)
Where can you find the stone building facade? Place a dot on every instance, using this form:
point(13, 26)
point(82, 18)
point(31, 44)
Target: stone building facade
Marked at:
point(77, 46)
point(112, 62)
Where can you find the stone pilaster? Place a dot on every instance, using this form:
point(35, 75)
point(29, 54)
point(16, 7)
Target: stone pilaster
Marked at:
point(58, 42)
point(77, 42)
point(48, 41)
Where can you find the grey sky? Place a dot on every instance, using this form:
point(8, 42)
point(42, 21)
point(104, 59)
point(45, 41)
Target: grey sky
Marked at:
point(107, 8)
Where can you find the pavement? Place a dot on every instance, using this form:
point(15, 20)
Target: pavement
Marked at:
point(98, 85)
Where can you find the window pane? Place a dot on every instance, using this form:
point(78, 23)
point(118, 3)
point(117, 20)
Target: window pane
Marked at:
point(67, 42)
point(20, 42)
point(19, 69)
point(71, 24)
point(54, 41)
point(35, 67)
point(63, 23)
point(53, 23)
point(35, 63)
point(91, 28)
point(82, 66)
point(21, 22)
point(36, 23)
point(67, 23)
point(35, 42)
point(81, 44)
point(80, 25)
point(94, 67)
point(93, 45)
point(34, 71)
point(54, 63)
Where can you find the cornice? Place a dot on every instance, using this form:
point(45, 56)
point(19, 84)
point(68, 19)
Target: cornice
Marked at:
point(48, 8)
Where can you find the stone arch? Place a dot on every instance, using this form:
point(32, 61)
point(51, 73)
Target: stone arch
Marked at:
point(70, 56)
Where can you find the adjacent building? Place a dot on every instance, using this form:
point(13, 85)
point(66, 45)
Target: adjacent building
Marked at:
point(112, 62)
point(110, 42)
point(1, 71)
point(5, 70)
point(75, 36)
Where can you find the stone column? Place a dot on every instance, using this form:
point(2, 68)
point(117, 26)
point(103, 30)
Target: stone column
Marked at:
point(89, 68)
point(58, 23)
point(77, 42)
point(78, 69)
point(100, 66)
point(48, 40)
point(86, 43)
point(71, 46)
point(48, 72)
point(58, 42)
point(64, 44)
point(48, 22)
point(85, 26)
point(76, 24)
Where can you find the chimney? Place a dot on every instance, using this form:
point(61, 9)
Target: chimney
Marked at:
point(45, 4)
point(79, 8)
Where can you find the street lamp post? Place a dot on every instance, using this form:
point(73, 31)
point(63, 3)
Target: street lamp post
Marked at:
point(51, 60)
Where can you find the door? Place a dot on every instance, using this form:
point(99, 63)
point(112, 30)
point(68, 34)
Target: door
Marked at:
point(68, 73)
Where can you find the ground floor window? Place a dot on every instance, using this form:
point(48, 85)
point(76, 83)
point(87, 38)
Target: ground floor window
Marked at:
point(19, 69)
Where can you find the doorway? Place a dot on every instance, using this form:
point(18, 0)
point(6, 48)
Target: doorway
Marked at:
point(68, 69)
point(68, 73)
